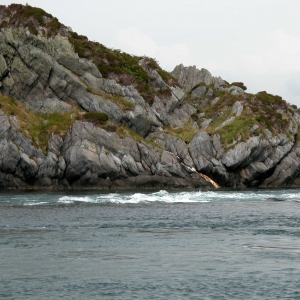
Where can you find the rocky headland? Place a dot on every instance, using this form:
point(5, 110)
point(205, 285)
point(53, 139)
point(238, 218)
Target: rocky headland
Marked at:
point(75, 114)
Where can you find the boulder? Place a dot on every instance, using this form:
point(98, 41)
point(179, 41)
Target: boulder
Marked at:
point(198, 91)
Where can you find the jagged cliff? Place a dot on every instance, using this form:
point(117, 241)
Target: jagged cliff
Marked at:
point(76, 114)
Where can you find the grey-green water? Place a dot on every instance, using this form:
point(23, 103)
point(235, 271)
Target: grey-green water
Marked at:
point(180, 245)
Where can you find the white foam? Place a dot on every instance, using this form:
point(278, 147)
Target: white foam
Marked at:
point(35, 203)
point(72, 199)
point(163, 196)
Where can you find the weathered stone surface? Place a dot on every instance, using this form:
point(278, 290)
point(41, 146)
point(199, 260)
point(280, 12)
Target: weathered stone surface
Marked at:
point(52, 167)
point(287, 171)
point(172, 165)
point(206, 152)
point(225, 123)
point(110, 164)
point(81, 158)
point(161, 182)
point(198, 92)
point(8, 181)
point(54, 144)
point(9, 157)
point(235, 90)
point(27, 168)
point(175, 146)
point(209, 93)
point(256, 157)
point(173, 111)
point(180, 115)
point(237, 108)
point(4, 124)
point(189, 77)
point(215, 101)
point(129, 164)
point(142, 121)
point(205, 123)
point(3, 67)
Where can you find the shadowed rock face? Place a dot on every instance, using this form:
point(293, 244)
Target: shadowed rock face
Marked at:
point(47, 76)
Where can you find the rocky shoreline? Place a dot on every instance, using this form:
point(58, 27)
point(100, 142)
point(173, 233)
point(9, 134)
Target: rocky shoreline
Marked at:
point(179, 139)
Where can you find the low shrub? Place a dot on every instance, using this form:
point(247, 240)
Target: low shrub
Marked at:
point(165, 93)
point(125, 104)
point(240, 84)
point(37, 13)
point(194, 117)
point(96, 117)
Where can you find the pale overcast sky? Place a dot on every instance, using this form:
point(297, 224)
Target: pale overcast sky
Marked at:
point(256, 42)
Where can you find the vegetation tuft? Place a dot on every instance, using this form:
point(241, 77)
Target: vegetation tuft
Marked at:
point(240, 84)
point(98, 118)
point(240, 128)
point(119, 100)
point(186, 133)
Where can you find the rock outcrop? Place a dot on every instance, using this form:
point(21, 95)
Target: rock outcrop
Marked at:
point(188, 130)
point(190, 77)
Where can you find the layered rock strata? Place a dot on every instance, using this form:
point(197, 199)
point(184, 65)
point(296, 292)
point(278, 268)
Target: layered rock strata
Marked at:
point(47, 76)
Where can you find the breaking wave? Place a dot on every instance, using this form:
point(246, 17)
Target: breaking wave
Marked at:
point(162, 196)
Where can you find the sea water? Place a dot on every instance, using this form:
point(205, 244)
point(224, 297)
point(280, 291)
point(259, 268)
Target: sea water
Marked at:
point(222, 244)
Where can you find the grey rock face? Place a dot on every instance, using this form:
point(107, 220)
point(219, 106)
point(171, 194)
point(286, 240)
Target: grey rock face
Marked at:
point(225, 123)
point(157, 81)
point(235, 90)
point(198, 92)
point(247, 163)
point(176, 146)
point(4, 124)
point(91, 154)
point(26, 166)
point(237, 108)
point(52, 167)
point(3, 68)
point(256, 157)
point(205, 123)
point(287, 171)
point(54, 144)
point(142, 121)
point(215, 101)
point(209, 93)
point(206, 153)
point(173, 111)
point(45, 73)
point(9, 157)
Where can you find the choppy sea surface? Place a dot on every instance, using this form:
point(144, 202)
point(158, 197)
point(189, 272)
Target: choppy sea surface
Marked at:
point(223, 244)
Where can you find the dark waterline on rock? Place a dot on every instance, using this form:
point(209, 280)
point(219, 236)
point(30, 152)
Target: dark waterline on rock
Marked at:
point(221, 244)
